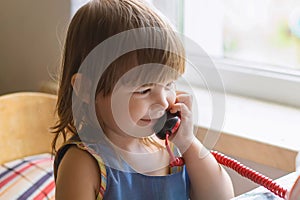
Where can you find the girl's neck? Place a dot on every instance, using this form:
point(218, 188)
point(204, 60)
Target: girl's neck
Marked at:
point(125, 142)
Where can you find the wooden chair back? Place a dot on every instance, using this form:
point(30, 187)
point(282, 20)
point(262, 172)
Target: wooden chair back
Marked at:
point(25, 121)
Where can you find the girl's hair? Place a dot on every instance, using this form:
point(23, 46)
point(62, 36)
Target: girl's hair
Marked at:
point(92, 24)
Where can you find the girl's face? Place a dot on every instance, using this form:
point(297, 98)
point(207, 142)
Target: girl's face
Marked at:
point(134, 110)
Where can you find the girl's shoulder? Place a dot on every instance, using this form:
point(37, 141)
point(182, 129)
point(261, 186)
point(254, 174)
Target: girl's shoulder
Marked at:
point(77, 173)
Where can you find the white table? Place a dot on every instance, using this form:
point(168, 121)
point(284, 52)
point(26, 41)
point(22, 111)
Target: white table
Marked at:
point(262, 193)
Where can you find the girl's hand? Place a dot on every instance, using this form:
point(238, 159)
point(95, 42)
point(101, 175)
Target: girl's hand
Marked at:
point(184, 136)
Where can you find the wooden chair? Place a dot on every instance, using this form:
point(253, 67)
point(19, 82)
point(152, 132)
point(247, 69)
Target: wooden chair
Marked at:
point(25, 121)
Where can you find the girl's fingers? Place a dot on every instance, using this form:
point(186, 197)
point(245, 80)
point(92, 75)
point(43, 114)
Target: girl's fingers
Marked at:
point(185, 98)
point(180, 107)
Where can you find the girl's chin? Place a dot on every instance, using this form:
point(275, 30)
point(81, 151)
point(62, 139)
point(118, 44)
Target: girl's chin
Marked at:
point(144, 128)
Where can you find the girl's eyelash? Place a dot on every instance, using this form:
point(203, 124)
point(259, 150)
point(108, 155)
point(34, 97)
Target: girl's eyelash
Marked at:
point(146, 90)
point(143, 91)
point(170, 84)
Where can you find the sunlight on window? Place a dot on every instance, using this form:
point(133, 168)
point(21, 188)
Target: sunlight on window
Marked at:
point(260, 31)
point(265, 31)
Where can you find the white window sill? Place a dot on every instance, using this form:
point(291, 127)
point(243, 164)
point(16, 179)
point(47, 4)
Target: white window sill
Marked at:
point(259, 131)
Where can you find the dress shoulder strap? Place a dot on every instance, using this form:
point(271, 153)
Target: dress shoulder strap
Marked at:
point(103, 175)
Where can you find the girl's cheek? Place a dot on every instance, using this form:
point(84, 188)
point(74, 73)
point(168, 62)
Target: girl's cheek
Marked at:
point(136, 108)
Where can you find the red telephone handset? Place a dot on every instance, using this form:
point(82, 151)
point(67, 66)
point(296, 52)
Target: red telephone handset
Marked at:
point(170, 126)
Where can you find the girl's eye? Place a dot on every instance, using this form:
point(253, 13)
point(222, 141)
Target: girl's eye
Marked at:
point(143, 91)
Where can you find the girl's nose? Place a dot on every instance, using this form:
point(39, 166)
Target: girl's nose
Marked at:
point(159, 104)
point(162, 99)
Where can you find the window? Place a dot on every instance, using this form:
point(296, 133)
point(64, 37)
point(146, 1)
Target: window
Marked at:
point(263, 31)
point(76, 4)
point(255, 44)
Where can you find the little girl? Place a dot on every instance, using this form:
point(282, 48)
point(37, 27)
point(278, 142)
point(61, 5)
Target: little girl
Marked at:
point(107, 113)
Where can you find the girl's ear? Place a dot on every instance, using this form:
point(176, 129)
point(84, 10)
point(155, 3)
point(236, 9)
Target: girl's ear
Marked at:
point(81, 86)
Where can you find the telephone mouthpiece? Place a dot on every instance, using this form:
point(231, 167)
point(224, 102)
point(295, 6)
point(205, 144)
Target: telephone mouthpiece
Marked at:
point(168, 123)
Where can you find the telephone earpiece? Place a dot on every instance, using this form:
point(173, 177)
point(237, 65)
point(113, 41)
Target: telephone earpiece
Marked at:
point(167, 124)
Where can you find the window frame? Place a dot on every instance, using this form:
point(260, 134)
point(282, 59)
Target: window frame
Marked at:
point(257, 80)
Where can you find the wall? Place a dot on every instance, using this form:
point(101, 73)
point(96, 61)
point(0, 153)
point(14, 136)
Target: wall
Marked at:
point(30, 42)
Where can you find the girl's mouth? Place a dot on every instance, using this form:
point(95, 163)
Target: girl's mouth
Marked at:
point(147, 122)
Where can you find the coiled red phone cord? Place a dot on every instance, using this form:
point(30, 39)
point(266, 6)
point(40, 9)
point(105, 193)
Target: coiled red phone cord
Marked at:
point(236, 166)
point(250, 174)
point(174, 161)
